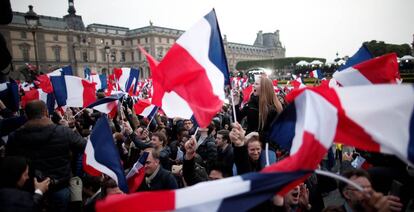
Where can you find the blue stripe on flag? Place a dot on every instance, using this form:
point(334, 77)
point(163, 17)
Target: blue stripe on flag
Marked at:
point(360, 56)
point(59, 88)
point(67, 70)
point(263, 186)
point(107, 99)
point(133, 75)
point(282, 131)
point(105, 151)
point(102, 77)
point(216, 50)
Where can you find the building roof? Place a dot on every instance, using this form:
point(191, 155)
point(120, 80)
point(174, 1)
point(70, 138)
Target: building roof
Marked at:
point(45, 21)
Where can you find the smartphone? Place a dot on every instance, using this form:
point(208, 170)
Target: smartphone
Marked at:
point(395, 189)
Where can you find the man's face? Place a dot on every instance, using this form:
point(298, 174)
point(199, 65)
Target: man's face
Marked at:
point(151, 164)
point(292, 197)
point(354, 196)
point(220, 141)
point(188, 124)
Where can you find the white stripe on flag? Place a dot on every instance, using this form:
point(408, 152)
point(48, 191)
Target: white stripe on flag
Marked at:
point(216, 191)
point(312, 112)
point(197, 42)
point(350, 77)
point(74, 88)
point(90, 160)
point(175, 106)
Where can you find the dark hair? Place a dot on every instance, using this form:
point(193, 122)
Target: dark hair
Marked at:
point(11, 169)
point(351, 173)
point(161, 136)
point(225, 134)
point(220, 167)
point(35, 109)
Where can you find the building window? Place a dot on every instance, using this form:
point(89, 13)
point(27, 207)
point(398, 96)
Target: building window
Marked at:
point(103, 55)
point(160, 52)
point(159, 40)
point(138, 41)
point(113, 42)
point(25, 48)
point(23, 35)
point(146, 40)
point(122, 56)
point(132, 56)
point(113, 56)
point(55, 38)
point(85, 56)
point(139, 56)
point(56, 51)
point(122, 42)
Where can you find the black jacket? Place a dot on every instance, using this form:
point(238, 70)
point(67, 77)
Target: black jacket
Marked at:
point(226, 157)
point(208, 152)
point(193, 173)
point(164, 180)
point(15, 200)
point(48, 149)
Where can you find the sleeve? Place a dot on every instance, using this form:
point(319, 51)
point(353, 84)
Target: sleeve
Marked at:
point(189, 172)
point(76, 142)
point(172, 183)
point(241, 159)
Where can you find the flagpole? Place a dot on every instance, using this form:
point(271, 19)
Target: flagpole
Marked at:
point(267, 154)
point(79, 112)
point(340, 178)
point(234, 107)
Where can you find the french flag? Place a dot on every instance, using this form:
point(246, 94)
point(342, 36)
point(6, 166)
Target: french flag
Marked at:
point(316, 74)
point(195, 69)
point(9, 95)
point(100, 80)
point(73, 91)
point(383, 69)
point(101, 155)
point(45, 79)
point(127, 79)
point(137, 173)
point(144, 108)
point(356, 116)
point(239, 193)
point(39, 94)
point(107, 104)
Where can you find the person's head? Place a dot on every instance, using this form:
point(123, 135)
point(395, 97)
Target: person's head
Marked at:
point(222, 138)
point(351, 195)
point(158, 140)
point(153, 161)
point(292, 197)
point(36, 109)
point(109, 187)
point(217, 171)
point(267, 98)
point(14, 172)
point(254, 147)
point(188, 124)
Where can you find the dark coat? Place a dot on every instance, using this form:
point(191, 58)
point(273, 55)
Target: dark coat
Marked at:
point(48, 150)
point(15, 200)
point(243, 162)
point(164, 180)
point(208, 152)
point(193, 173)
point(226, 157)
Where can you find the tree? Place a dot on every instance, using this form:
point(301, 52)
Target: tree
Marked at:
point(378, 48)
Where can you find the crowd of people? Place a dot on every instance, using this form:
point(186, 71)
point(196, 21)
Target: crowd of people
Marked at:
point(41, 158)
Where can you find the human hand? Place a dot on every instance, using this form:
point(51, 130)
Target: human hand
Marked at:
point(190, 148)
point(237, 135)
point(42, 186)
point(303, 195)
point(394, 203)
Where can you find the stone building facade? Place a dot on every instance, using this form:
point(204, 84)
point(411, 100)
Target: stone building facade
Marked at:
point(66, 41)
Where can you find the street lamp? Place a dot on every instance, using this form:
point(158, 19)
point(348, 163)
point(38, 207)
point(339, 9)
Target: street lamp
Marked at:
point(113, 60)
point(107, 51)
point(32, 20)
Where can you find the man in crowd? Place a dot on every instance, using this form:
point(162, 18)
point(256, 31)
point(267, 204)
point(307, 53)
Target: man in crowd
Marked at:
point(156, 177)
point(48, 147)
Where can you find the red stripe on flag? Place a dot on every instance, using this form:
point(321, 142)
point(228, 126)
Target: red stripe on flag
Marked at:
point(89, 92)
point(89, 169)
point(382, 69)
point(142, 201)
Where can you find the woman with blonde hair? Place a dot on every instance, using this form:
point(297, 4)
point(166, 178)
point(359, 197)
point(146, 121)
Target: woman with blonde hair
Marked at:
point(262, 108)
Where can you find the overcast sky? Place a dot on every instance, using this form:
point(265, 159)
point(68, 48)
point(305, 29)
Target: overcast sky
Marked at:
point(312, 28)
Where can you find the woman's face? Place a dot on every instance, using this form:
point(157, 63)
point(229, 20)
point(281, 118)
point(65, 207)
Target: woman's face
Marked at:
point(23, 178)
point(254, 149)
point(256, 87)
